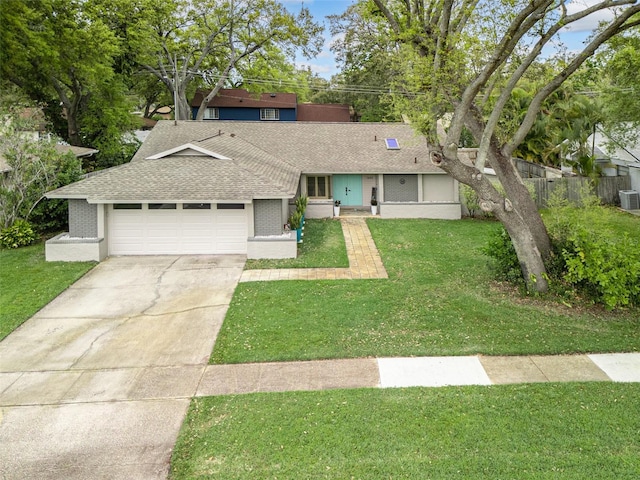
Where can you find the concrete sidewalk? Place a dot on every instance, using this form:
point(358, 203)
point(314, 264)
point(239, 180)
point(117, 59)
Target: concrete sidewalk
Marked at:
point(417, 372)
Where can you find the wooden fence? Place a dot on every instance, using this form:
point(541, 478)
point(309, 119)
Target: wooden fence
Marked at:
point(607, 188)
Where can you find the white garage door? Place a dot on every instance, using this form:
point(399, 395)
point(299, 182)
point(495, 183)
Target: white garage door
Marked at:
point(165, 229)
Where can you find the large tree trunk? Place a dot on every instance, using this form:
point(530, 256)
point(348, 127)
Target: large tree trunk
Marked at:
point(515, 216)
point(524, 242)
point(522, 201)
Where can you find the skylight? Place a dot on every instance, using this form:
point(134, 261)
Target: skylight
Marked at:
point(392, 143)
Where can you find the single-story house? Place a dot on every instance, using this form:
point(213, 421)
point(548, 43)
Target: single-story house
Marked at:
point(229, 187)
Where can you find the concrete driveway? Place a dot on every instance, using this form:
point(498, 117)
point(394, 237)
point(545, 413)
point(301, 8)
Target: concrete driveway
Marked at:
point(96, 384)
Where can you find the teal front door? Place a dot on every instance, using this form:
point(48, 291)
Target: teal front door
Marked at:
point(348, 189)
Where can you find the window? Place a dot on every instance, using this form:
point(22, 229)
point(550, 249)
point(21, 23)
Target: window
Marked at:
point(162, 206)
point(231, 206)
point(196, 206)
point(127, 206)
point(269, 114)
point(211, 113)
point(317, 187)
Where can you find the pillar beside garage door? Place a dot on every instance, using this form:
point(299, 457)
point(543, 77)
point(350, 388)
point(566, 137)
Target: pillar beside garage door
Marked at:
point(146, 231)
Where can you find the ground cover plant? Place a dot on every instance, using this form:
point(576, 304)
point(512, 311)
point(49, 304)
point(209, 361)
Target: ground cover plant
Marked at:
point(322, 246)
point(440, 299)
point(28, 283)
point(535, 431)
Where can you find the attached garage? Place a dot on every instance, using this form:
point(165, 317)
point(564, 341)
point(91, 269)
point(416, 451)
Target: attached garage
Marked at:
point(177, 228)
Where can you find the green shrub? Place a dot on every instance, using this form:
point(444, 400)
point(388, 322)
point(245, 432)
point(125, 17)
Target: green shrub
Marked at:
point(20, 234)
point(471, 199)
point(504, 261)
point(593, 253)
point(603, 266)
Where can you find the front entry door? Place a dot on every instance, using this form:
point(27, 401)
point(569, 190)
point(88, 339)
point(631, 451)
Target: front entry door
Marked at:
point(348, 189)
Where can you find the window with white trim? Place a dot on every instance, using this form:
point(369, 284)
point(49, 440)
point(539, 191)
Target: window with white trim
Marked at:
point(212, 113)
point(269, 114)
point(318, 186)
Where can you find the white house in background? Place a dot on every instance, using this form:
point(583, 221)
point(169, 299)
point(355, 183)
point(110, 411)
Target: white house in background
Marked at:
point(228, 187)
point(616, 159)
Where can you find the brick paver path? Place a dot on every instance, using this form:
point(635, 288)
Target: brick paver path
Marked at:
point(364, 260)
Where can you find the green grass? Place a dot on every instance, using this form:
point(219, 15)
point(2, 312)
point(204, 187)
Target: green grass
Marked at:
point(440, 299)
point(28, 283)
point(525, 432)
point(322, 246)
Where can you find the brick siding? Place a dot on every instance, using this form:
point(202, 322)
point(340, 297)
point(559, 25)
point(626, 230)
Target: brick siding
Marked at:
point(267, 217)
point(83, 219)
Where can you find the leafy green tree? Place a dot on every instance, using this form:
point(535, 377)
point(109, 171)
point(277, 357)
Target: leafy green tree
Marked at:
point(62, 54)
point(561, 129)
point(620, 86)
point(367, 57)
point(34, 167)
point(455, 55)
point(186, 44)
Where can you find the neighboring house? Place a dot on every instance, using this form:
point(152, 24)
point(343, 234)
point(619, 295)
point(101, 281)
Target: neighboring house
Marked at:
point(238, 104)
point(228, 187)
point(616, 159)
point(38, 131)
point(324, 112)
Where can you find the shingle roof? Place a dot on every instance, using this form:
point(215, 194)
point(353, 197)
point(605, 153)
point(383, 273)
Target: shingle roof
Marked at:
point(238, 97)
point(246, 174)
point(267, 159)
point(310, 147)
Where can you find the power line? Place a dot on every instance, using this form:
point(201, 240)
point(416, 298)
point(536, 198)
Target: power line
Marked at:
point(340, 88)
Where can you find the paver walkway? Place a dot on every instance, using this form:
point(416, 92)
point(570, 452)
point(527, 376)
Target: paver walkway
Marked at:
point(364, 260)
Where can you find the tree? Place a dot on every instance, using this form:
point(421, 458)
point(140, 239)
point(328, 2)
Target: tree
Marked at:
point(561, 129)
point(619, 86)
point(62, 55)
point(504, 40)
point(189, 43)
point(367, 57)
point(34, 167)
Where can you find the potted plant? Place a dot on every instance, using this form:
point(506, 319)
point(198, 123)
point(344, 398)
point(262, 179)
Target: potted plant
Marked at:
point(336, 208)
point(374, 206)
point(301, 206)
point(295, 223)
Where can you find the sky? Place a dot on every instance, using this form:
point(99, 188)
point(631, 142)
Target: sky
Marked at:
point(325, 66)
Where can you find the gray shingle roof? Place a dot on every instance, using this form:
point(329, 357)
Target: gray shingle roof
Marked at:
point(311, 147)
point(267, 159)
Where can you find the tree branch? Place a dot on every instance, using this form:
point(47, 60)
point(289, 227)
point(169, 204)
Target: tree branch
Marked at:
point(616, 25)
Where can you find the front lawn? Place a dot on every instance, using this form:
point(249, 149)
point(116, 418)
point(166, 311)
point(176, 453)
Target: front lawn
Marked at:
point(322, 246)
point(536, 431)
point(440, 299)
point(28, 283)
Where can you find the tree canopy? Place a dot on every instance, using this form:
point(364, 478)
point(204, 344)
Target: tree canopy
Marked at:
point(90, 62)
point(468, 59)
point(186, 44)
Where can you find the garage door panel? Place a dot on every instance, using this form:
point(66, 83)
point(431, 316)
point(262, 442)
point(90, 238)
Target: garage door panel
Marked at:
point(167, 232)
point(231, 226)
point(198, 231)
